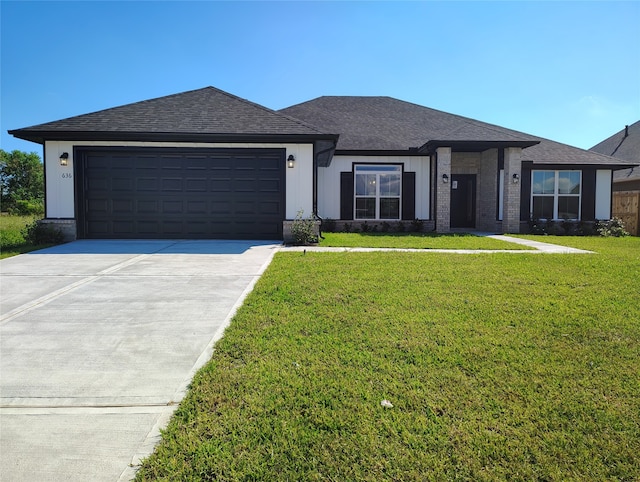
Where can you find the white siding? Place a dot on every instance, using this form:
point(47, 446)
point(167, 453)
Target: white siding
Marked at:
point(60, 190)
point(329, 181)
point(603, 194)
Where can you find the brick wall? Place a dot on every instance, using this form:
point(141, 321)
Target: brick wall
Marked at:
point(511, 209)
point(443, 190)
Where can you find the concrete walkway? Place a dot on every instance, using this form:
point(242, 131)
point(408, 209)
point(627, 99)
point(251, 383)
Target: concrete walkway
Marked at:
point(539, 248)
point(98, 343)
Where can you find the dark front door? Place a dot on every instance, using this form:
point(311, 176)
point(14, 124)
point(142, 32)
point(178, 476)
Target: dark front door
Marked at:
point(181, 193)
point(463, 201)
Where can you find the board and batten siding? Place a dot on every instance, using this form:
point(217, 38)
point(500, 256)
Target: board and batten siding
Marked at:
point(329, 181)
point(60, 191)
point(603, 194)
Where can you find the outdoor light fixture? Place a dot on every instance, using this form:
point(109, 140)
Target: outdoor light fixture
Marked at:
point(291, 161)
point(516, 178)
point(64, 158)
point(445, 178)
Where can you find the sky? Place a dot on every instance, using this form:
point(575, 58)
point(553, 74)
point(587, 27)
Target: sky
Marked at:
point(567, 71)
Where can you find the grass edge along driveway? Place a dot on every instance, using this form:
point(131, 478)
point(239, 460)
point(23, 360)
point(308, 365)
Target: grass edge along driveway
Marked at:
point(498, 367)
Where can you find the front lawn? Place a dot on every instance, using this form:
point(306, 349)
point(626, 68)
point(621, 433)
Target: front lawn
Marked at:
point(12, 241)
point(416, 241)
point(499, 367)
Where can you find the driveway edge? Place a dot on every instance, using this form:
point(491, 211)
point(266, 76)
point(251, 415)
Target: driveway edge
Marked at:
point(154, 436)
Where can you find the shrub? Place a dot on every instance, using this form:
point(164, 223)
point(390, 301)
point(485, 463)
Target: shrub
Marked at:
point(536, 226)
point(38, 233)
point(365, 228)
point(329, 225)
point(303, 229)
point(385, 227)
point(586, 228)
point(346, 227)
point(611, 227)
point(27, 207)
point(417, 225)
point(400, 227)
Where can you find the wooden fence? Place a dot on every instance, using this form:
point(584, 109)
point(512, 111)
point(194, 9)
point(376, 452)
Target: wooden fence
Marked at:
point(626, 206)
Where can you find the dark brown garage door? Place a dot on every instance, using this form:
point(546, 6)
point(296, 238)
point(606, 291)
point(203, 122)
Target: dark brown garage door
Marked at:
point(181, 193)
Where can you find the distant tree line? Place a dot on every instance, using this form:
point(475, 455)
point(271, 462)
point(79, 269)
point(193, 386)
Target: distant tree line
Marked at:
point(21, 183)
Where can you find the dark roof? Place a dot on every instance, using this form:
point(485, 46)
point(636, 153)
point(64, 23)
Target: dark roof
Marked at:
point(388, 124)
point(201, 113)
point(624, 144)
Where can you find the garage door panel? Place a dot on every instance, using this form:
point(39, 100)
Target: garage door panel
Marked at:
point(98, 206)
point(146, 193)
point(220, 185)
point(146, 206)
point(196, 207)
point(195, 185)
point(147, 184)
point(122, 206)
point(120, 228)
point(172, 184)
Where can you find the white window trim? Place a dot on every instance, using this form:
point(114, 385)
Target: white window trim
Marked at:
point(557, 194)
point(377, 197)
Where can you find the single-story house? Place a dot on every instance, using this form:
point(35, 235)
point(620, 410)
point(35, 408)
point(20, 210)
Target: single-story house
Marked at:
point(208, 164)
point(625, 145)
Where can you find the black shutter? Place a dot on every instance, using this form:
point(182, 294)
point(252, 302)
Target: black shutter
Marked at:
point(409, 196)
point(346, 195)
point(588, 195)
point(525, 192)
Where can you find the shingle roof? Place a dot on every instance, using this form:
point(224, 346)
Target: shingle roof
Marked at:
point(623, 145)
point(203, 111)
point(385, 123)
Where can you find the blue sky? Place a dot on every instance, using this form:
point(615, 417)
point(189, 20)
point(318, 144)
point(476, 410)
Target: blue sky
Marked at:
point(568, 71)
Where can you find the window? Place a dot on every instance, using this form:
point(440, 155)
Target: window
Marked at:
point(556, 194)
point(377, 191)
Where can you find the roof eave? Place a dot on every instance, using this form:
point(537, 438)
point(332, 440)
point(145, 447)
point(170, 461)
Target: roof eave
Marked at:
point(378, 152)
point(564, 165)
point(41, 136)
point(473, 146)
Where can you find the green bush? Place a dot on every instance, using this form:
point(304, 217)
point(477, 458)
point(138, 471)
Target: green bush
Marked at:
point(27, 207)
point(38, 233)
point(611, 227)
point(303, 229)
point(10, 239)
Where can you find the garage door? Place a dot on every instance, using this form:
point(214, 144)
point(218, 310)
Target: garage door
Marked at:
point(187, 193)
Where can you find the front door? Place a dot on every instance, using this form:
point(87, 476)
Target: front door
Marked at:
point(463, 200)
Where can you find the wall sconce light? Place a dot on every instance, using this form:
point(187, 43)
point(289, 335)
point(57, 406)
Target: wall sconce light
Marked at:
point(516, 178)
point(291, 161)
point(445, 178)
point(64, 158)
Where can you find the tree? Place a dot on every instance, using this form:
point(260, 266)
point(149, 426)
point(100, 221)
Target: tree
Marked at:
point(21, 182)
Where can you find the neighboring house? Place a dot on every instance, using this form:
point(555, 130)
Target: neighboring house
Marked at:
point(207, 164)
point(625, 145)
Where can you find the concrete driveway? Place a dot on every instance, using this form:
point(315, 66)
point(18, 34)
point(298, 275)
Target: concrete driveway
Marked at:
point(99, 341)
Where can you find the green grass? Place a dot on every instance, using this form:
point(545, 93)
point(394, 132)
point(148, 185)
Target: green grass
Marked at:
point(499, 367)
point(12, 242)
point(416, 241)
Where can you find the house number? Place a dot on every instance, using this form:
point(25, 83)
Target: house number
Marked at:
point(66, 175)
